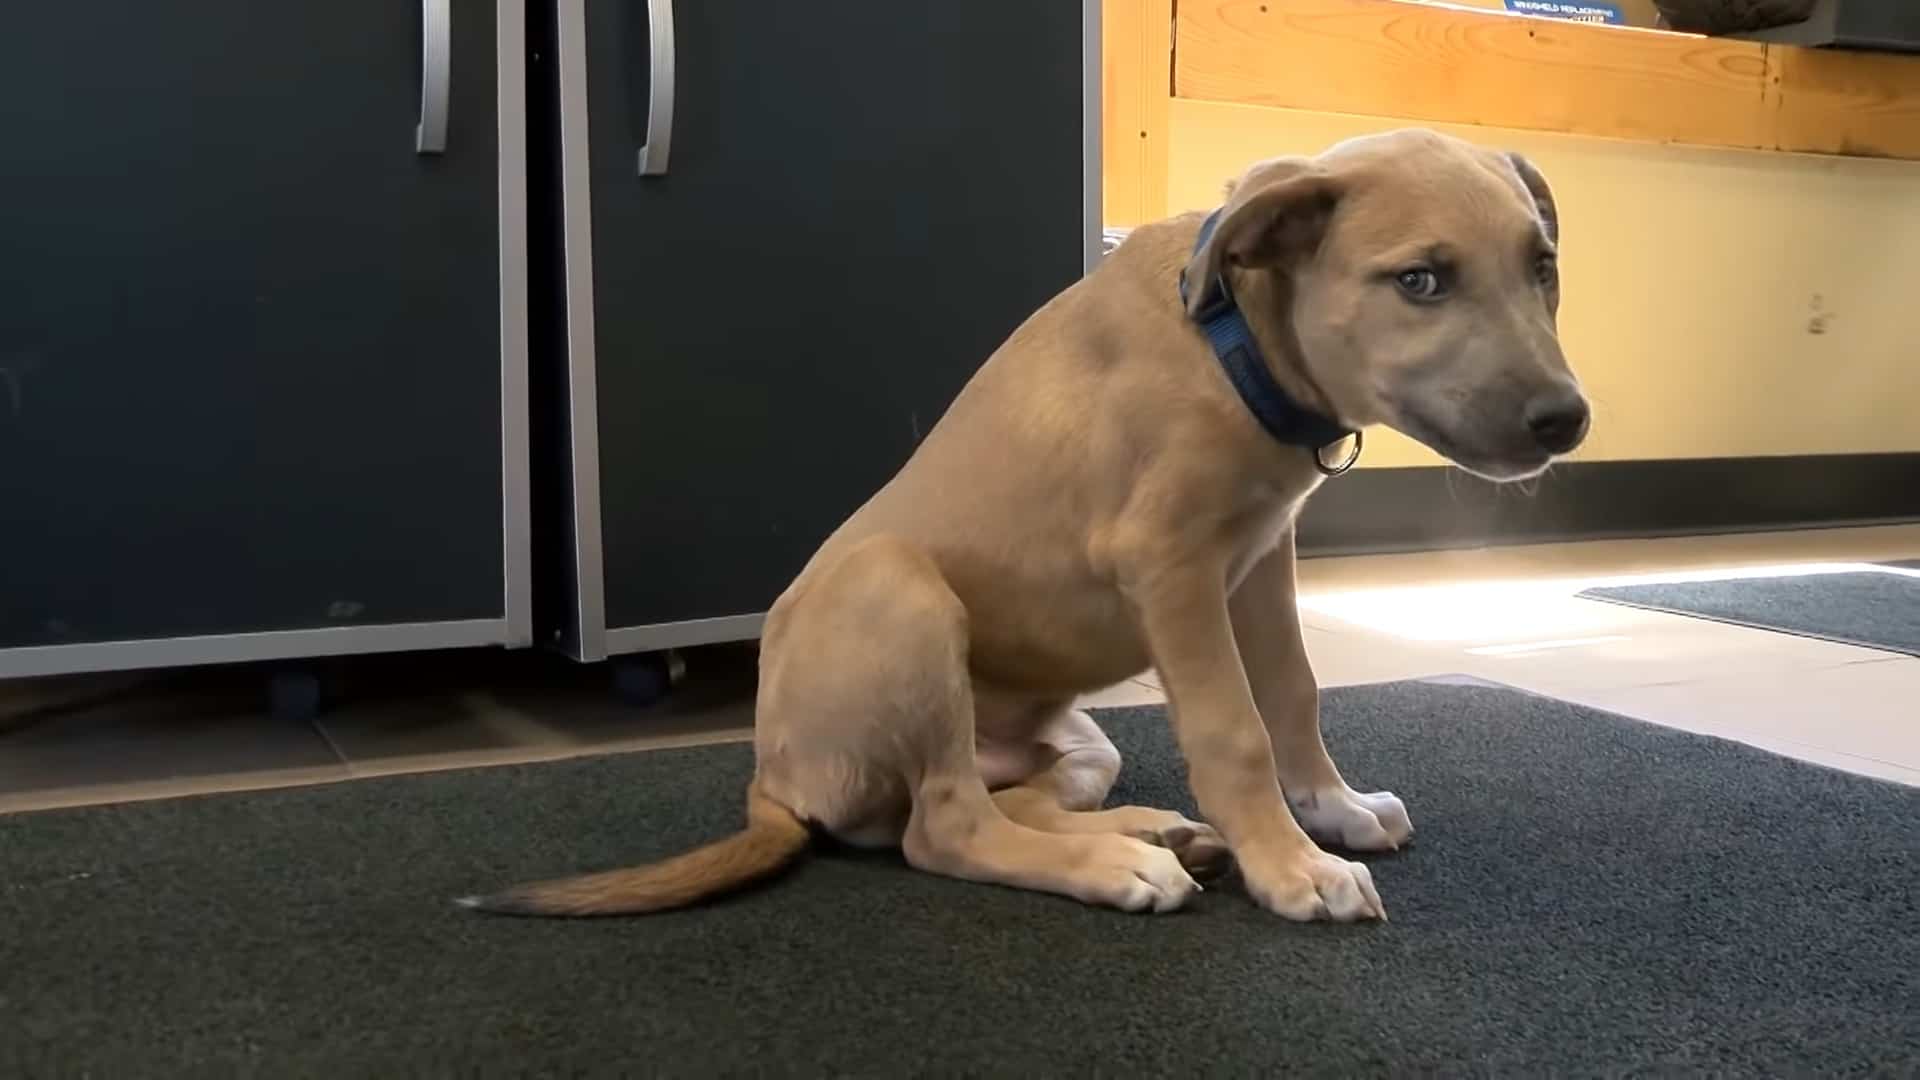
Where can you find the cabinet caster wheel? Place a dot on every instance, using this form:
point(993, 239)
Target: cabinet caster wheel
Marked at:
point(646, 679)
point(295, 696)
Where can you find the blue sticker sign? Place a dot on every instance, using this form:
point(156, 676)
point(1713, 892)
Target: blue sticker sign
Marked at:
point(1586, 11)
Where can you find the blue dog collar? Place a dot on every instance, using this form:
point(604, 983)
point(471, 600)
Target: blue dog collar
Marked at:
point(1233, 345)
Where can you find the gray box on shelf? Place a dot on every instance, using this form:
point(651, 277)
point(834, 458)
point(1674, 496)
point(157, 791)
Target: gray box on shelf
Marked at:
point(1882, 25)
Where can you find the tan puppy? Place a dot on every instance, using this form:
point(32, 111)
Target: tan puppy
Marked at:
point(1099, 500)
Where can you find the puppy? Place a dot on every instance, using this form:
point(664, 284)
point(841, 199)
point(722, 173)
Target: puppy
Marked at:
point(1114, 490)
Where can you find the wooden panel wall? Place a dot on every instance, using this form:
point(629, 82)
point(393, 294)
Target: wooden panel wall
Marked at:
point(1854, 104)
point(1424, 63)
point(1136, 83)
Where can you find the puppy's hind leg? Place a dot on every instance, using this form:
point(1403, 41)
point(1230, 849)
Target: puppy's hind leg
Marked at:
point(916, 693)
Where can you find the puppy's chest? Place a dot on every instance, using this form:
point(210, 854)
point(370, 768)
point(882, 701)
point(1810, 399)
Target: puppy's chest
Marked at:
point(1254, 534)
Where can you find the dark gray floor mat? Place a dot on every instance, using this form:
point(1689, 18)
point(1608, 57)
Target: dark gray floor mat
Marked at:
point(1868, 608)
point(1586, 895)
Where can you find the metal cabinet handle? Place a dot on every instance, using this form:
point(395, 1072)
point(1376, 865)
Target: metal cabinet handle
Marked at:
point(653, 151)
point(436, 75)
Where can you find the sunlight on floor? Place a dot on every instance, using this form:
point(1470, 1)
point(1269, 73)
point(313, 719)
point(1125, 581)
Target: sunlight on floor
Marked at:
point(1522, 648)
point(1517, 615)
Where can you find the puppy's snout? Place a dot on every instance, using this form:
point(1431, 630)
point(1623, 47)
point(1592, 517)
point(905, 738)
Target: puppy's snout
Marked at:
point(1558, 420)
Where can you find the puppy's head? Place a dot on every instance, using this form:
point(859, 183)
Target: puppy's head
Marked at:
point(1413, 280)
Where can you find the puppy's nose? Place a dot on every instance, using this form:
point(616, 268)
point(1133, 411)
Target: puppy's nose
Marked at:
point(1558, 421)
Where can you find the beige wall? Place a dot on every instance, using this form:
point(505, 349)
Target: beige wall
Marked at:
point(1695, 281)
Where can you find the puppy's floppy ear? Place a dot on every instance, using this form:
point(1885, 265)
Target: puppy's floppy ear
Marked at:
point(1271, 218)
point(1536, 186)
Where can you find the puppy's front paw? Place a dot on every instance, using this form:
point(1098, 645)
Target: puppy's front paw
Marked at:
point(1353, 821)
point(1314, 885)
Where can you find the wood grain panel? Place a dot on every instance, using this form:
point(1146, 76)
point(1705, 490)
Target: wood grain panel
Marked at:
point(1380, 58)
point(1424, 63)
point(1856, 104)
point(1135, 85)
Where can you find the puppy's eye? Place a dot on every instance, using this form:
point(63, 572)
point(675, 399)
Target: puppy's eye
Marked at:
point(1546, 269)
point(1420, 283)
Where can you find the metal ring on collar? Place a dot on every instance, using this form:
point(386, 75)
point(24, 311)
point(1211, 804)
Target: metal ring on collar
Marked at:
point(1320, 463)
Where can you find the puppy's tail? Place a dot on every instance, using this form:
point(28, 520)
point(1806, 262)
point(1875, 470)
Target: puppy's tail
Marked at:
point(773, 840)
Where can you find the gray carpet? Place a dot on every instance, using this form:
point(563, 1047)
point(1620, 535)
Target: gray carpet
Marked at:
point(1876, 610)
point(1586, 895)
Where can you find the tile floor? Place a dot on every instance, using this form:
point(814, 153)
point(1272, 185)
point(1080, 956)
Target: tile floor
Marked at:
point(1508, 615)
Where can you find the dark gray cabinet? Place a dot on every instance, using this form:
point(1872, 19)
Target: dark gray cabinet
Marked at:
point(262, 360)
point(782, 238)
